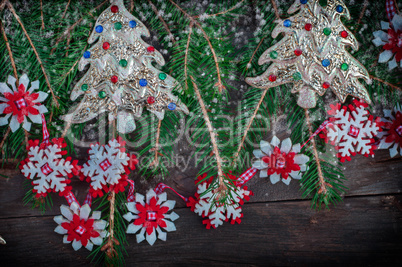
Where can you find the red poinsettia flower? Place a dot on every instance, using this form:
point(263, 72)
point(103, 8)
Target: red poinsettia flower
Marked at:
point(80, 229)
point(151, 215)
point(394, 129)
point(394, 43)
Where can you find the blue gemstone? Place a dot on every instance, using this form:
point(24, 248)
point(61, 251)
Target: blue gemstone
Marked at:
point(132, 24)
point(87, 54)
point(339, 9)
point(287, 23)
point(326, 62)
point(172, 106)
point(303, 2)
point(143, 82)
point(99, 29)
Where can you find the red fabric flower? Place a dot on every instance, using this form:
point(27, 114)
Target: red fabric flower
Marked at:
point(151, 215)
point(21, 103)
point(394, 43)
point(282, 163)
point(80, 230)
point(394, 129)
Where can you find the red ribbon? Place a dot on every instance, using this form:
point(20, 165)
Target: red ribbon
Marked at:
point(45, 132)
point(391, 9)
point(70, 197)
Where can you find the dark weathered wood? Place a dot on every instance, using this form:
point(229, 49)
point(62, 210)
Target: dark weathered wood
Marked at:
point(362, 230)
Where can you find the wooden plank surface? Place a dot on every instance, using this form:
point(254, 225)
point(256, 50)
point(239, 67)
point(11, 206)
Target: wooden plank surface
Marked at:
point(362, 230)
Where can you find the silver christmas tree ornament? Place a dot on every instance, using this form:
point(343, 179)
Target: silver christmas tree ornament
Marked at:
point(121, 79)
point(312, 54)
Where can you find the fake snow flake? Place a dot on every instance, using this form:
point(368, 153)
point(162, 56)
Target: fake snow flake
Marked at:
point(280, 162)
point(47, 169)
point(150, 217)
point(108, 167)
point(352, 130)
point(20, 103)
point(207, 204)
point(76, 226)
point(391, 136)
point(391, 42)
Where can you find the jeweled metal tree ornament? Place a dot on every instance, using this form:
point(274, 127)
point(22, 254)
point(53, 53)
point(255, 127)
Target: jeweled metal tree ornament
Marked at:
point(312, 54)
point(121, 79)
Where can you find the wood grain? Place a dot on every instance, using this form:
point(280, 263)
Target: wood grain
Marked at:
point(362, 230)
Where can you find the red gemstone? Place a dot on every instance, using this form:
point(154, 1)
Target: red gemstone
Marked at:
point(106, 45)
point(308, 26)
point(151, 100)
point(344, 34)
point(326, 85)
point(298, 52)
point(151, 49)
point(114, 79)
point(272, 78)
point(114, 9)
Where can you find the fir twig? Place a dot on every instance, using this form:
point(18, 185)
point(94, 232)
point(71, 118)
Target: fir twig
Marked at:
point(41, 15)
point(131, 5)
point(187, 52)
point(275, 8)
point(249, 126)
point(10, 53)
point(4, 138)
point(65, 10)
point(109, 246)
point(223, 12)
point(255, 51)
point(10, 6)
point(219, 84)
point(322, 185)
point(222, 186)
point(361, 16)
point(163, 22)
point(387, 83)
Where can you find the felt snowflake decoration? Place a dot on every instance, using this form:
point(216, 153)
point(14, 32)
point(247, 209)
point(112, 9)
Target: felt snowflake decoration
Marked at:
point(21, 103)
point(108, 167)
point(391, 135)
point(208, 205)
point(352, 130)
point(151, 217)
point(313, 54)
point(47, 168)
point(391, 42)
point(278, 160)
point(76, 226)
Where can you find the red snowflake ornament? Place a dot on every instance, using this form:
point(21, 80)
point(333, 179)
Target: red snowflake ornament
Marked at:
point(47, 168)
point(108, 167)
point(204, 204)
point(352, 130)
point(391, 135)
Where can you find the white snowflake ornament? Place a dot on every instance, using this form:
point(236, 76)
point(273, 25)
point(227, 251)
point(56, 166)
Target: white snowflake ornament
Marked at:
point(205, 204)
point(391, 41)
point(108, 167)
point(391, 135)
point(47, 168)
point(76, 226)
point(21, 103)
point(352, 130)
point(280, 161)
point(150, 217)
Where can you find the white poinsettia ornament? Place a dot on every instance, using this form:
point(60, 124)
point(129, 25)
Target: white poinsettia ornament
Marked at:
point(150, 217)
point(279, 161)
point(76, 226)
point(391, 41)
point(20, 103)
point(391, 135)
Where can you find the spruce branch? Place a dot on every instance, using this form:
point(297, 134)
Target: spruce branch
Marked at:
point(241, 145)
point(161, 19)
point(255, 51)
point(361, 15)
point(386, 83)
point(65, 10)
point(41, 15)
point(10, 53)
point(4, 138)
point(275, 8)
point(186, 53)
point(131, 5)
point(222, 187)
point(109, 246)
point(11, 8)
point(219, 84)
point(322, 184)
point(237, 5)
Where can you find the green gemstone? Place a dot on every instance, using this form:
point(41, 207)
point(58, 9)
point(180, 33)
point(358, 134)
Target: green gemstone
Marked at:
point(162, 76)
point(123, 63)
point(84, 87)
point(118, 26)
point(102, 94)
point(273, 54)
point(327, 31)
point(344, 67)
point(297, 76)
